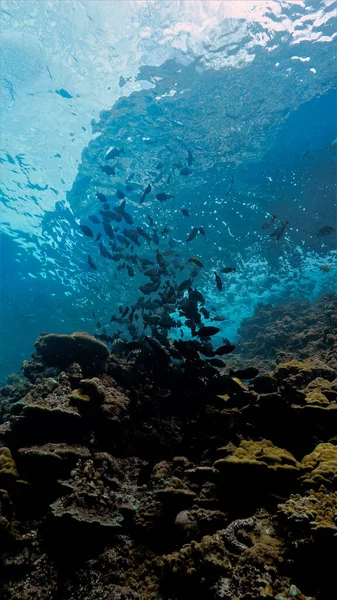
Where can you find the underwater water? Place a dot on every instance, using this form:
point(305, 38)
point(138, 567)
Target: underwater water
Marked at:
point(228, 107)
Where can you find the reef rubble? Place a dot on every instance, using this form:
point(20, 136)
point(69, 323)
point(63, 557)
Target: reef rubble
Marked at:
point(217, 491)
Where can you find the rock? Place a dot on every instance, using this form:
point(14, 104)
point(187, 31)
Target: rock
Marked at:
point(320, 466)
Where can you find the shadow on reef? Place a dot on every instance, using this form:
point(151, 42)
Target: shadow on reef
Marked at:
point(139, 477)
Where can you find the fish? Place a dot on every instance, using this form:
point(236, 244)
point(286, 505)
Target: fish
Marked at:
point(108, 230)
point(146, 192)
point(325, 268)
point(219, 318)
point(185, 171)
point(149, 287)
point(248, 373)
point(269, 223)
point(205, 312)
point(202, 231)
point(326, 230)
point(305, 154)
point(184, 285)
point(155, 238)
point(94, 219)
point(163, 393)
point(151, 221)
point(120, 194)
point(279, 232)
point(87, 231)
point(108, 170)
point(185, 212)
point(192, 234)
point(160, 260)
point(106, 206)
point(154, 272)
point(118, 256)
point(163, 196)
point(91, 263)
point(99, 235)
point(229, 187)
point(226, 348)
point(218, 281)
point(217, 362)
point(190, 158)
point(159, 166)
point(103, 251)
point(130, 270)
point(333, 144)
point(207, 331)
point(127, 218)
point(166, 230)
point(98, 325)
point(195, 260)
point(228, 269)
point(144, 234)
point(101, 197)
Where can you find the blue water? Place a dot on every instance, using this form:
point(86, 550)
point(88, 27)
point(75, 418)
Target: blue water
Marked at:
point(249, 89)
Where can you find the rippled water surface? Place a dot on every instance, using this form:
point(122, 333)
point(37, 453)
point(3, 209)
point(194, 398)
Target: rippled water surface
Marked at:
point(248, 88)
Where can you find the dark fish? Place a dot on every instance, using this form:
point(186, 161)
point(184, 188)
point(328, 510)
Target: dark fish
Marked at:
point(228, 269)
point(205, 312)
point(114, 153)
point(184, 285)
point(195, 260)
point(186, 349)
point(219, 318)
point(207, 331)
point(270, 222)
point(160, 260)
point(279, 232)
point(149, 287)
point(145, 193)
point(108, 230)
point(91, 263)
point(120, 194)
point(127, 218)
point(225, 349)
point(94, 219)
point(154, 272)
point(196, 296)
point(192, 234)
point(151, 221)
point(159, 166)
point(108, 170)
point(305, 154)
point(101, 197)
point(166, 230)
point(130, 270)
point(144, 234)
point(106, 206)
point(104, 252)
point(202, 231)
point(229, 187)
point(155, 238)
point(190, 158)
point(164, 393)
point(217, 362)
point(98, 325)
point(185, 212)
point(218, 281)
point(162, 196)
point(87, 231)
point(248, 373)
point(117, 257)
point(185, 171)
point(99, 235)
point(326, 230)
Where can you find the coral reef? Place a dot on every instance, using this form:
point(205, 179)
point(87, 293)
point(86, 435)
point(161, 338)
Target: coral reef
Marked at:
point(221, 490)
point(295, 330)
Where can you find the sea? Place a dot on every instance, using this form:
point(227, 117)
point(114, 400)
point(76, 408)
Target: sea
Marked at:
point(195, 132)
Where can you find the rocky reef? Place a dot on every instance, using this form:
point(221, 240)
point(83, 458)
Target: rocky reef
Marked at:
point(219, 489)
